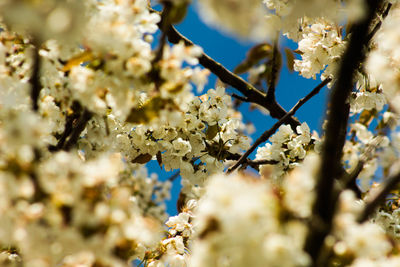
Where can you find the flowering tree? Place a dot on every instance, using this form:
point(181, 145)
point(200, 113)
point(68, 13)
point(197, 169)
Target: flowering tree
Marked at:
point(88, 98)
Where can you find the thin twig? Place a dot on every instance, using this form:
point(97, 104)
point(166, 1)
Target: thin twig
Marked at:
point(379, 196)
point(252, 163)
point(349, 180)
point(261, 162)
point(241, 98)
point(264, 137)
point(253, 94)
point(255, 164)
point(335, 136)
point(174, 176)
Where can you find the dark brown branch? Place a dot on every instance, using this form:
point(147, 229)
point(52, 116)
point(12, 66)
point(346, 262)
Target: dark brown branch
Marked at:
point(255, 164)
point(261, 162)
point(253, 94)
point(69, 125)
point(77, 130)
point(379, 197)
point(348, 181)
point(335, 135)
point(163, 25)
point(35, 79)
point(351, 178)
point(274, 71)
point(267, 134)
point(174, 176)
point(241, 98)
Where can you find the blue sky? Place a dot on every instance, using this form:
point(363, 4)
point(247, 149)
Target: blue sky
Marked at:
point(230, 51)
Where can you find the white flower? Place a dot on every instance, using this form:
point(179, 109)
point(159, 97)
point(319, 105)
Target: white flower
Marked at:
point(181, 147)
point(284, 133)
point(367, 241)
point(296, 148)
point(367, 101)
point(299, 187)
point(174, 245)
point(304, 132)
point(362, 132)
point(180, 223)
point(177, 261)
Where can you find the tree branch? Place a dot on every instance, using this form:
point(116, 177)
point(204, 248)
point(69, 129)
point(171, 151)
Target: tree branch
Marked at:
point(255, 164)
point(274, 71)
point(379, 197)
point(351, 178)
point(241, 98)
point(253, 94)
point(337, 119)
point(163, 25)
point(35, 79)
point(69, 125)
point(267, 134)
point(174, 176)
point(79, 127)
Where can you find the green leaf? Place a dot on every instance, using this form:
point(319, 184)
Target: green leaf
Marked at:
point(254, 55)
point(149, 110)
point(212, 131)
point(242, 67)
point(289, 58)
point(178, 12)
point(175, 11)
point(260, 51)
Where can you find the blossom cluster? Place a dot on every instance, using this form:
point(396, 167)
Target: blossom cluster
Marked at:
point(196, 142)
point(383, 62)
point(249, 230)
point(224, 14)
point(88, 98)
point(287, 148)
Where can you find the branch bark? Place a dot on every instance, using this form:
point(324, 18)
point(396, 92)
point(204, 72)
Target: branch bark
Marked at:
point(267, 134)
point(249, 91)
point(337, 120)
point(35, 79)
point(79, 127)
point(379, 197)
point(274, 71)
point(350, 180)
